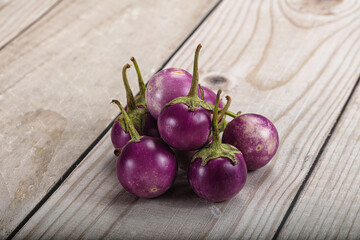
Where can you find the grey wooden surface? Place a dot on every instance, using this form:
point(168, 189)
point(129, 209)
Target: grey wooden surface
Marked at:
point(296, 62)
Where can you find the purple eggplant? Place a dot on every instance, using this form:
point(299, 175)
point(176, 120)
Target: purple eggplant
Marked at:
point(146, 166)
point(165, 86)
point(137, 111)
point(168, 84)
point(185, 122)
point(255, 136)
point(218, 171)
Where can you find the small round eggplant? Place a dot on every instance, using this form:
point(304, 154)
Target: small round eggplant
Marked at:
point(165, 86)
point(218, 171)
point(183, 129)
point(255, 136)
point(219, 180)
point(138, 112)
point(185, 122)
point(146, 166)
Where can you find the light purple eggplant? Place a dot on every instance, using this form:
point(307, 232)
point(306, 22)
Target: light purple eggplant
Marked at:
point(168, 84)
point(255, 136)
point(165, 86)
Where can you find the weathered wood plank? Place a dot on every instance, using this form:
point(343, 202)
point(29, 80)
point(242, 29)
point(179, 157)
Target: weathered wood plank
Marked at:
point(294, 62)
point(57, 79)
point(16, 16)
point(329, 207)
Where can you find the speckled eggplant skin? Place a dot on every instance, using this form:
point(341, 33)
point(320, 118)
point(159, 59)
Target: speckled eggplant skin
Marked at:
point(147, 168)
point(118, 136)
point(219, 179)
point(184, 129)
point(165, 86)
point(255, 136)
point(169, 84)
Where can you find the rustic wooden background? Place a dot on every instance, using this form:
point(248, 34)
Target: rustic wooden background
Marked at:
point(295, 61)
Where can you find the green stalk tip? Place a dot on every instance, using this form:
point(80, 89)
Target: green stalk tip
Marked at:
point(129, 95)
point(192, 99)
point(195, 80)
point(142, 86)
point(225, 109)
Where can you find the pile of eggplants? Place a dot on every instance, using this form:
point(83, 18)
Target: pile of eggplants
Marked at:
point(174, 122)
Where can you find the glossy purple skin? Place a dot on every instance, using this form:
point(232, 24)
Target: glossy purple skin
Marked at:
point(255, 136)
point(183, 129)
point(168, 84)
point(118, 136)
point(165, 86)
point(147, 168)
point(219, 179)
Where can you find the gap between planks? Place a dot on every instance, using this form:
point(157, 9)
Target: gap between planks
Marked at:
point(311, 170)
point(102, 134)
point(325, 142)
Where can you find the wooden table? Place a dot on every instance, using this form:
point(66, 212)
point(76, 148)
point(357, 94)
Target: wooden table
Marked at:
point(295, 61)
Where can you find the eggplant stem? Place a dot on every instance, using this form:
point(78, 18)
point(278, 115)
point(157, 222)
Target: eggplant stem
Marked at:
point(223, 111)
point(215, 128)
point(195, 80)
point(142, 86)
point(135, 136)
point(202, 92)
point(129, 95)
point(229, 113)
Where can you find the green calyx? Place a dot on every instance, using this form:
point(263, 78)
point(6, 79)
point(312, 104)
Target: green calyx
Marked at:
point(216, 149)
point(192, 100)
point(210, 152)
point(137, 115)
point(127, 123)
point(222, 125)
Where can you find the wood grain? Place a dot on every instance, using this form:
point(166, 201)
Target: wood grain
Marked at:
point(58, 77)
point(17, 16)
point(329, 207)
point(295, 62)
